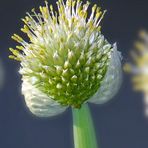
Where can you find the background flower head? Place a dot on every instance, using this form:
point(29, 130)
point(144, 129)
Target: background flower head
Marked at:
point(139, 66)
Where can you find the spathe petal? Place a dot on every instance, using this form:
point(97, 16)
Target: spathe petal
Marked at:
point(39, 103)
point(112, 81)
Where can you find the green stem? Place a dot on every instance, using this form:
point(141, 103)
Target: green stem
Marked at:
point(83, 129)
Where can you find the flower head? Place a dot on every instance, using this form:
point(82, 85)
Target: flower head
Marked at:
point(67, 60)
point(139, 65)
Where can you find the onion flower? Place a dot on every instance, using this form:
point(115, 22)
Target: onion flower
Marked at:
point(67, 62)
point(138, 67)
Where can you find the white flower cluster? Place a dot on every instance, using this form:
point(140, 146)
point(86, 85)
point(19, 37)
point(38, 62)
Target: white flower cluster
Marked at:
point(67, 60)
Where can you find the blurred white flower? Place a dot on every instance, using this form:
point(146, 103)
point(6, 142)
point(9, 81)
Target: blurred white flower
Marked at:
point(139, 67)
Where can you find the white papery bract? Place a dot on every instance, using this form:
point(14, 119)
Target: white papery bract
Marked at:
point(66, 59)
point(112, 81)
point(39, 103)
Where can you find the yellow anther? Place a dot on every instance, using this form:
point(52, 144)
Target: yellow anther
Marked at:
point(98, 9)
point(99, 28)
point(73, 3)
point(20, 47)
point(60, 1)
point(127, 68)
point(45, 12)
point(17, 38)
point(33, 10)
point(61, 9)
point(27, 18)
point(14, 38)
point(15, 52)
point(25, 29)
point(73, 20)
point(79, 10)
point(11, 49)
point(139, 46)
point(24, 20)
point(66, 22)
point(82, 13)
point(14, 58)
point(51, 7)
point(88, 3)
point(54, 20)
point(98, 14)
point(94, 7)
point(142, 61)
point(63, 17)
point(44, 9)
point(69, 3)
point(41, 9)
point(30, 37)
point(50, 29)
point(91, 24)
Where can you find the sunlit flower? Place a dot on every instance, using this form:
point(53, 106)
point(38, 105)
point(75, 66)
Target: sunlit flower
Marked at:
point(66, 61)
point(139, 66)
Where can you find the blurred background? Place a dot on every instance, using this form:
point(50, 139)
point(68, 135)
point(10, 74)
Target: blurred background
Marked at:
point(119, 123)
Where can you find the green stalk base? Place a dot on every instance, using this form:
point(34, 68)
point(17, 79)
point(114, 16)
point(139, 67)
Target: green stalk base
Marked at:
point(83, 129)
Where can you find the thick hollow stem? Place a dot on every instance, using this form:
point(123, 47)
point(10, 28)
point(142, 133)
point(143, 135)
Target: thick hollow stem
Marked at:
point(83, 129)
